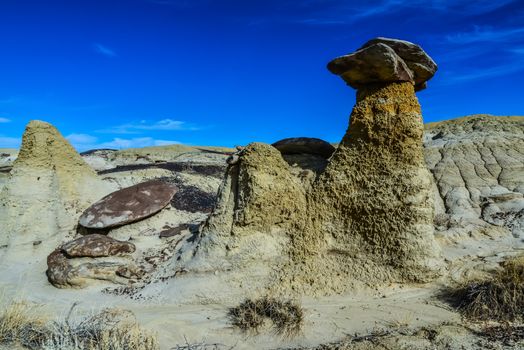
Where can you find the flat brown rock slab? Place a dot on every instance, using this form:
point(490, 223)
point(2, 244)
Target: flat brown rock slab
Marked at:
point(95, 246)
point(128, 205)
point(305, 145)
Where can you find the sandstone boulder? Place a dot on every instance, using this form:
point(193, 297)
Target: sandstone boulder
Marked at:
point(95, 245)
point(75, 273)
point(305, 145)
point(128, 205)
point(384, 60)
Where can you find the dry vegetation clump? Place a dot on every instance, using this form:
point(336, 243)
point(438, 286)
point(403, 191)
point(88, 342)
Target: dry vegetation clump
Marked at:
point(286, 317)
point(500, 298)
point(19, 325)
point(111, 329)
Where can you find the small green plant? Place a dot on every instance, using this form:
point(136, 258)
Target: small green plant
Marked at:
point(286, 316)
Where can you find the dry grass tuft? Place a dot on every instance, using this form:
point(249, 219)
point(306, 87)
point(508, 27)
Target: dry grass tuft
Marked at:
point(500, 298)
point(19, 325)
point(287, 317)
point(111, 329)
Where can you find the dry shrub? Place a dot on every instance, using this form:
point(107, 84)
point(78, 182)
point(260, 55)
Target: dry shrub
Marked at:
point(19, 325)
point(287, 317)
point(500, 298)
point(111, 329)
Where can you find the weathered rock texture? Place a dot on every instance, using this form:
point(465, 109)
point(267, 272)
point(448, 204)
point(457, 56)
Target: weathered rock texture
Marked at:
point(384, 60)
point(72, 264)
point(372, 208)
point(367, 217)
point(478, 166)
point(96, 246)
point(48, 187)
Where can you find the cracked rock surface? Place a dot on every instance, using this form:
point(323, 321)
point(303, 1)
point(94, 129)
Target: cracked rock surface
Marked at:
point(478, 166)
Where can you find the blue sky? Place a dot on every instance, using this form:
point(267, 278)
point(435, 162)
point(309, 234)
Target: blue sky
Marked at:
point(206, 72)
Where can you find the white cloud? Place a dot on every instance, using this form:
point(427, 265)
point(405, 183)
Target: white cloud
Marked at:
point(143, 125)
point(138, 142)
point(10, 142)
point(104, 50)
point(81, 139)
point(4, 120)
point(84, 142)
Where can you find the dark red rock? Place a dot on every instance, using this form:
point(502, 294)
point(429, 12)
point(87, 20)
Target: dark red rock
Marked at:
point(95, 245)
point(173, 231)
point(305, 145)
point(128, 205)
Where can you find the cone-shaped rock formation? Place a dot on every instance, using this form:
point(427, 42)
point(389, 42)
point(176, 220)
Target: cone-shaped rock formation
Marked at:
point(49, 186)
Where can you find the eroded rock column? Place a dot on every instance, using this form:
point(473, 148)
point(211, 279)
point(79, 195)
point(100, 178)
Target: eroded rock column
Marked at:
point(372, 208)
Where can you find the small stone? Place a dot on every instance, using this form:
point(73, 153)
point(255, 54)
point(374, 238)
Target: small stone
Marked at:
point(173, 231)
point(233, 159)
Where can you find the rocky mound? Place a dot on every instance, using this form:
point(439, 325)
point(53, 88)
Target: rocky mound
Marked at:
point(478, 166)
point(48, 187)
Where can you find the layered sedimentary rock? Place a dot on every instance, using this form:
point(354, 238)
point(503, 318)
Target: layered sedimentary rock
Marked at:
point(478, 166)
point(48, 187)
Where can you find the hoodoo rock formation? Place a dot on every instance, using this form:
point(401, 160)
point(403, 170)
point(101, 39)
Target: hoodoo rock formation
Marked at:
point(367, 217)
point(48, 187)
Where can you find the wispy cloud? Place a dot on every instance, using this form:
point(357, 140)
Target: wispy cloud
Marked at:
point(4, 120)
point(486, 73)
point(324, 12)
point(144, 125)
point(83, 142)
point(486, 34)
point(10, 142)
point(82, 139)
point(104, 50)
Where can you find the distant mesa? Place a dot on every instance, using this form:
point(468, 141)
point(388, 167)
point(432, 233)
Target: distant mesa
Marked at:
point(306, 145)
point(128, 205)
point(384, 60)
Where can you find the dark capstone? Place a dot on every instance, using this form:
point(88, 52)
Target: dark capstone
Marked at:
point(305, 145)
